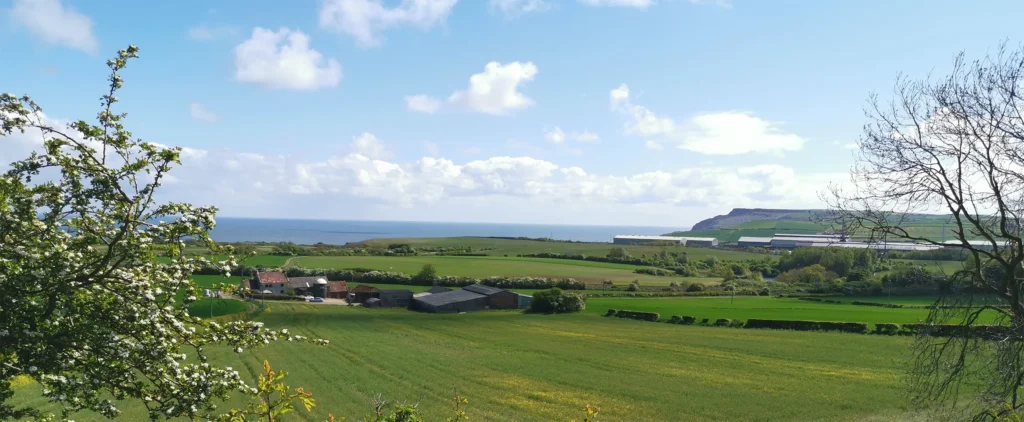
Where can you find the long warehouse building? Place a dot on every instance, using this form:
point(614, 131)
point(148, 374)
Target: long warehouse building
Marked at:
point(708, 242)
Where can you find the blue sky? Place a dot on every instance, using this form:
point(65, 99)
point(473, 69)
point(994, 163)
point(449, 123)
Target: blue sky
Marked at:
point(646, 112)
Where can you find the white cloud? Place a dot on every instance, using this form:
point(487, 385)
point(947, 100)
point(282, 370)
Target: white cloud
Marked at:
point(587, 136)
point(494, 91)
point(422, 104)
point(515, 8)
point(720, 3)
point(283, 59)
point(365, 20)
point(200, 112)
point(719, 133)
point(55, 24)
point(432, 149)
point(368, 145)
point(208, 33)
point(653, 145)
point(639, 4)
point(555, 135)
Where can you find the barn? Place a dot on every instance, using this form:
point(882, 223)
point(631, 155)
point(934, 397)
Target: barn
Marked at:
point(363, 292)
point(337, 290)
point(497, 298)
point(451, 302)
point(396, 298)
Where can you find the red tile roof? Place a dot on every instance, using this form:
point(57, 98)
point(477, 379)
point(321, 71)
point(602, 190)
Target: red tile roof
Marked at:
point(272, 277)
point(337, 286)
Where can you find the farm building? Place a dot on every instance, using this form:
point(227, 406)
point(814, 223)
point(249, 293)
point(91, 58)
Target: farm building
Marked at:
point(273, 281)
point(754, 242)
point(396, 298)
point(337, 290)
point(373, 303)
point(312, 286)
point(474, 297)
point(451, 302)
point(686, 241)
point(362, 292)
point(497, 298)
point(438, 289)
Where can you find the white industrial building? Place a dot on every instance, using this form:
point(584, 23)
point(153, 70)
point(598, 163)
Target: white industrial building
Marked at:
point(709, 242)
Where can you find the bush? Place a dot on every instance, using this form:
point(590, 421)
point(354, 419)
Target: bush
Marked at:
point(880, 305)
point(704, 322)
point(688, 320)
point(723, 322)
point(555, 301)
point(736, 324)
point(676, 319)
point(633, 287)
point(846, 327)
point(695, 287)
point(611, 312)
point(643, 316)
point(887, 329)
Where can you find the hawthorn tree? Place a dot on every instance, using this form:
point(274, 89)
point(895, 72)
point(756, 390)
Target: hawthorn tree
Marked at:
point(954, 145)
point(85, 309)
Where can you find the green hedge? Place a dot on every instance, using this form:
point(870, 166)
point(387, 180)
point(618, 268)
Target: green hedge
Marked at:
point(887, 329)
point(880, 305)
point(643, 316)
point(846, 327)
point(611, 312)
point(990, 332)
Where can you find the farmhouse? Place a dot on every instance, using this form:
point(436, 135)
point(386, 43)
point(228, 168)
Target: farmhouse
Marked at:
point(314, 286)
point(474, 297)
point(273, 281)
point(337, 290)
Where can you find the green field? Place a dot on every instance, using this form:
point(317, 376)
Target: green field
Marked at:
point(513, 247)
point(252, 261)
point(485, 266)
point(944, 267)
point(513, 366)
point(212, 307)
point(759, 307)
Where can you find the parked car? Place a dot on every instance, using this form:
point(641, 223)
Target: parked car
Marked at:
point(317, 299)
point(308, 298)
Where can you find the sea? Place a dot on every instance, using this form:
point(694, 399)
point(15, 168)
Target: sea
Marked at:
point(339, 232)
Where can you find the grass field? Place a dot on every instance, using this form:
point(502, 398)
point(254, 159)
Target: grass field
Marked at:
point(213, 307)
point(512, 247)
point(758, 307)
point(484, 266)
point(520, 367)
point(257, 260)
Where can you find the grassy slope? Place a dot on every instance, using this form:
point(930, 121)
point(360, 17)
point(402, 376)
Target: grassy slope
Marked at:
point(478, 266)
point(759, 307)
point(529, 367)
point(930, 226)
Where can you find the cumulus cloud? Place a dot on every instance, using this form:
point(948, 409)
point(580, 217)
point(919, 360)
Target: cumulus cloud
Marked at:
point(365, 20)
point(369, 146)
point(422, 104)
point(284, 59)
point(557, 136)
point(209, 33)
point(515, 8)
point(495, 90)
point(718, 133)
point(54, 23)
point(639, 4)
point(200, 112)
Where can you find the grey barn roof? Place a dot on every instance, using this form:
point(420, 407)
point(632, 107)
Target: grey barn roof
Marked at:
point(454, 296)
point(481, 289)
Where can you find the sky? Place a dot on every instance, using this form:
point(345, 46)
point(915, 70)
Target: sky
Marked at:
point(612, 112)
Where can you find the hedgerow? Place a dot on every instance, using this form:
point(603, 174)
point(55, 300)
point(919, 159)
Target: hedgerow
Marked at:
point(847, 327)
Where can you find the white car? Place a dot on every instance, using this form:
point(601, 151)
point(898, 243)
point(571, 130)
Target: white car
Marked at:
point(308, 298)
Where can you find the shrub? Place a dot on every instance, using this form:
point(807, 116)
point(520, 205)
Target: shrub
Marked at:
point(676, 319)
point(887, 329)
point(847, 327)
point(555, 301)
point(611, 312)
point(643, 316)
point(704, 322)
point(688, 320)
point(633, 287)
point(695, 287)
point(723, 322)
point(736, 324)
point(673, 284)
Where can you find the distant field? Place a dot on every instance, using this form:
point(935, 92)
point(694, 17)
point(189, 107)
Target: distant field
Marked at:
point(482, 266)
point(946, 267)
point(513, 366)
point(252, 261)
point(511, 247)
point(758, 307)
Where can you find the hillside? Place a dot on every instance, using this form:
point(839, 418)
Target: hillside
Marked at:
point(768, 222)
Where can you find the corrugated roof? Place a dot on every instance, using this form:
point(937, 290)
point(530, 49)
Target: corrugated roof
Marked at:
point(337, 286)
point(454, 296)
point(272, 277)
point(482, 289)
point(362, 288)
point(755, 239)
